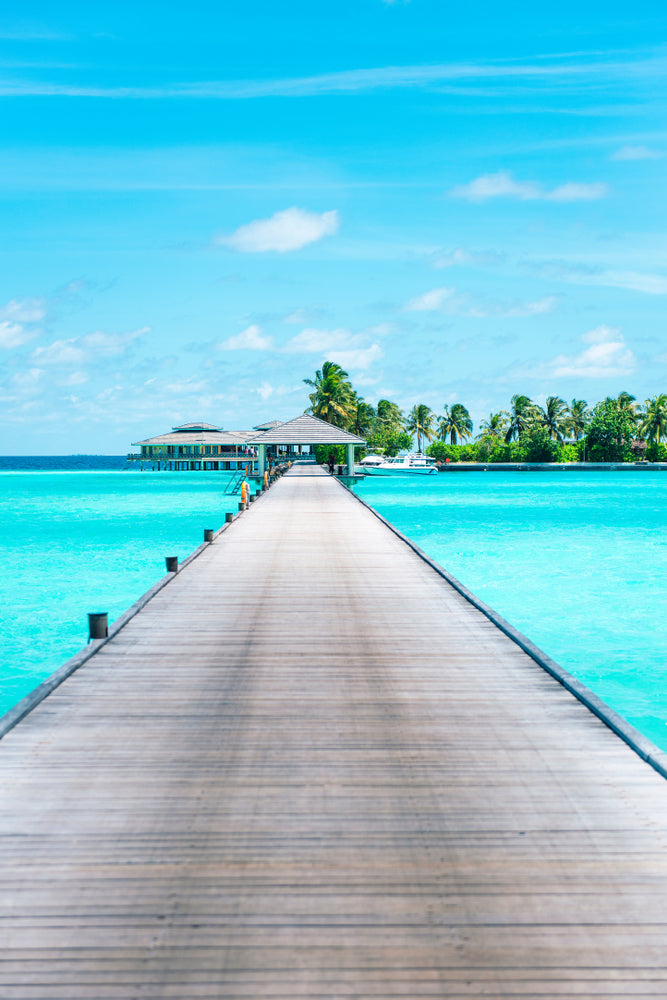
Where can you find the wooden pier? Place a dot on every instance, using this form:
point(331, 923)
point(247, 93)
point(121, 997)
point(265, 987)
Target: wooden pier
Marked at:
point(309, 768)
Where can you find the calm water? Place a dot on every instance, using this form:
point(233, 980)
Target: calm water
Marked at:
point(74, 542)
point(576, 561)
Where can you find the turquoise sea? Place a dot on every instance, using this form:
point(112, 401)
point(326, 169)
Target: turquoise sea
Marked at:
point(575, 560)
point(78, 541)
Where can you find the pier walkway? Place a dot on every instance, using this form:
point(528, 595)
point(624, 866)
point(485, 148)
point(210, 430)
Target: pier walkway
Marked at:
point(308, 768)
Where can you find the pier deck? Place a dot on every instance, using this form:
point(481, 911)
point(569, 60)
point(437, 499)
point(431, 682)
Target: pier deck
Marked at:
point(308, 768)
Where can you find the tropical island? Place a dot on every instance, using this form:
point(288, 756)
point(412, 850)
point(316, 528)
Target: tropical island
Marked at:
point(616, 429)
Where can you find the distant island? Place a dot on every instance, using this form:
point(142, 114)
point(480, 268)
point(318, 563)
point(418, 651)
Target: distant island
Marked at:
point(617, 429)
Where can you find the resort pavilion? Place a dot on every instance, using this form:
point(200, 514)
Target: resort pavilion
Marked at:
point(197, 446)
point(304, 431)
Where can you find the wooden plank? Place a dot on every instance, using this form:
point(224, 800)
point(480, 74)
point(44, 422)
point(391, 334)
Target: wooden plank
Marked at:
point(309, 768)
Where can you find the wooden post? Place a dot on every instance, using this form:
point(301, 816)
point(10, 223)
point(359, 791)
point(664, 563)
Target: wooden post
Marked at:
point(208, 534)
point(172, 564)
point(98, 625)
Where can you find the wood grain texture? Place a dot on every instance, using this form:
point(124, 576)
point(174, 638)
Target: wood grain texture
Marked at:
point(308, 768)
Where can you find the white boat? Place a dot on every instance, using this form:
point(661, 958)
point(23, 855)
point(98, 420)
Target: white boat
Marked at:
point(414, 464)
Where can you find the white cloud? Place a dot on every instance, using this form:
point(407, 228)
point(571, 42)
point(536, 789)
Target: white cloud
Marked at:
point(27, 379)
point(79, 351)
point(17, 321)
point(266, 390)
point(24, 310)
point(607, 356)
point(291, 229)
point(503, 185)
point(250, 339)
point(340, 345)
point(361, 358)
point(13, 334)
point(429, 301)
point(636, 153)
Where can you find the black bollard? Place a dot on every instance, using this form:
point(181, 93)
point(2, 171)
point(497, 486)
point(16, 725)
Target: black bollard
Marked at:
point(229, 517)
point(241, 505)
point(172, 564)
point(98, 625)
point(208, 534)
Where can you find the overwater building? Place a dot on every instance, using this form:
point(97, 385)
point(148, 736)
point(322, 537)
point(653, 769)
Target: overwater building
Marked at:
point(196, 446)
point(199, 446)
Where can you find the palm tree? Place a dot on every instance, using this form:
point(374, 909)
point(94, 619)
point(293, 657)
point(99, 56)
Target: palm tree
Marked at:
point(520, 416)
point(333, 398)
point(456, 423)
point(363, 418)
point(627, 406)
point(420, 422)
point(554, 416)
point(388, 417)
point(578, 418)
point(653, 419)
point(494, 426)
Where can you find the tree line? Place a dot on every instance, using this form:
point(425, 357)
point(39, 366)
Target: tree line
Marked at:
point(617, 429)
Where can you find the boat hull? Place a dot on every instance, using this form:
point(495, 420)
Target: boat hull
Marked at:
point(374, 470)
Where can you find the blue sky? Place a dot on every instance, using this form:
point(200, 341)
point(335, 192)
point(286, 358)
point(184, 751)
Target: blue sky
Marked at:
point(200, 206)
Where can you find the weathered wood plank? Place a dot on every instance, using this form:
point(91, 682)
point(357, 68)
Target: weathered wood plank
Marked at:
point(308, 768)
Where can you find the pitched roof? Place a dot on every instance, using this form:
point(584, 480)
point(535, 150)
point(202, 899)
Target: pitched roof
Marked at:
point(197, 427)
point(268, 426)
point(181, 437)
point(306, 430)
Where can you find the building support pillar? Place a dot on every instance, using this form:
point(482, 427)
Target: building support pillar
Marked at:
point(261, 461)
point(350, 459)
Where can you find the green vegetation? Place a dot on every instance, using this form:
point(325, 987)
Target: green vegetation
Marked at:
point(617, 429)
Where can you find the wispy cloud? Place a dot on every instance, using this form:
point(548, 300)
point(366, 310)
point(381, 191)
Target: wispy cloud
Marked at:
point(289, 230)
point(250, 339)
point(503, 185)
point(454, 303)
point(24, 310)
point(461, 257)
point(586, 274)
point(302, 316)
point(87, 349)
point(508, 310)
point(18, 321)
point(636, 153)
point(606, 356)
point(589, 67)
point(429, 301)
point(29, 32)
